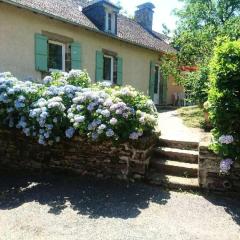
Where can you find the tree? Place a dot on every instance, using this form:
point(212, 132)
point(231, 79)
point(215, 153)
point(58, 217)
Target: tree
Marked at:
point(200, 23)
point(165, 30)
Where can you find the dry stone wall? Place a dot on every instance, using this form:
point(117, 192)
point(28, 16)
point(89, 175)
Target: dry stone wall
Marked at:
point(209, 172)
point(123, 161)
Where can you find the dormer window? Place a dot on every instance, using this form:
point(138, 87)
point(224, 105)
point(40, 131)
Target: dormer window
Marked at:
point(110, 22)
point(104, 15)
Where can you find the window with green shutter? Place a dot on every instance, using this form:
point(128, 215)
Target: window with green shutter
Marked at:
point(119, 71)
point(76, 52)
point(109, 67)
point(152, 80)
point(52, 53)
point(99, 66)
point(41, 52)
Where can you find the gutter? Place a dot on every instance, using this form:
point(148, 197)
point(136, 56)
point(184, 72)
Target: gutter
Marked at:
point(78, 25)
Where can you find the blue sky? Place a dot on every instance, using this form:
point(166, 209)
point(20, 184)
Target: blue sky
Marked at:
point(163, 11)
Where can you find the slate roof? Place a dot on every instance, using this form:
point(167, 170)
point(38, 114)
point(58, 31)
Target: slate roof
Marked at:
point(132, 31)
point(68, 10)
point(161, 36)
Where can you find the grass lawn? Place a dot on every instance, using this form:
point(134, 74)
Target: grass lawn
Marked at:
point(192, 116)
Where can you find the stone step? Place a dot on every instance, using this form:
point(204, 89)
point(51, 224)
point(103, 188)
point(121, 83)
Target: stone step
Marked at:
point(186, 145)
point(188, 156)
point(174, 168)
point(165, 107)
point(173, 182)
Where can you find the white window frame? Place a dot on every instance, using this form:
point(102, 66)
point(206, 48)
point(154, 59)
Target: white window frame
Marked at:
point(112, 63)
point(63, 56)
point(113, 22)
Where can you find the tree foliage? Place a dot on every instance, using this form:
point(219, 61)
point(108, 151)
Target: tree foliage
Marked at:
point(196, 85)
point(200, 23)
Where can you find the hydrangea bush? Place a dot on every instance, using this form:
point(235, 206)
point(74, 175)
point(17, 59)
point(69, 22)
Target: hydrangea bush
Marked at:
point(67, 104)
point(224, 100)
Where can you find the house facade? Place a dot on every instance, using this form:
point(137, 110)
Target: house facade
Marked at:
point(40, 36)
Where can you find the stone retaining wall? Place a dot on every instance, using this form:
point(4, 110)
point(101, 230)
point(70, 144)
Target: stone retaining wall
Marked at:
point(123, 161)
point(209, 172)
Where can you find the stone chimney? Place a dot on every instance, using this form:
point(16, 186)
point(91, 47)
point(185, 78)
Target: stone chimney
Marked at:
point(144, 15)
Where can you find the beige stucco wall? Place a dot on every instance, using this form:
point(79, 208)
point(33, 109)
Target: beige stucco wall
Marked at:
point(17, 29)
point(173, 88)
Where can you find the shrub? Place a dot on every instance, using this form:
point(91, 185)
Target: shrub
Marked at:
point(57, 109)
point(78, 78)
point(224, 99)
point(196, 85)
point(74, 77)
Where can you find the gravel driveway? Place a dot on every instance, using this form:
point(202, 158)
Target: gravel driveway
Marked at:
point(63, 207)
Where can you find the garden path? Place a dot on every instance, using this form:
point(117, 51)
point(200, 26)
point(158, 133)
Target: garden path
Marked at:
point(171, 126)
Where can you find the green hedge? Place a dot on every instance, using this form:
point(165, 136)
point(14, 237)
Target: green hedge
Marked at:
point(224, 99)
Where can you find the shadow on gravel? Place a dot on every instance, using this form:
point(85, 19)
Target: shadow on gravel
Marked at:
point(230, 205)
point(92, 197)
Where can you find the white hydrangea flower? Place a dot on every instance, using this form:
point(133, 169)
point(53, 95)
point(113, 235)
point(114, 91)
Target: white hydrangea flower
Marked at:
point(113, 121)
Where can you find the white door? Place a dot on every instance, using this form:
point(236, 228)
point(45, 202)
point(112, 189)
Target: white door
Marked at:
point(157, 85)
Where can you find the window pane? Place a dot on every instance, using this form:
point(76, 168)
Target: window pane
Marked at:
point(109, 22)
point(156, 79)
point(115, 65)
point(55, 57)
point(107, 66)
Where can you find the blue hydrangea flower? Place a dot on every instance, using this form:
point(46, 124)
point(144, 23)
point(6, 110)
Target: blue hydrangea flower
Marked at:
point(70, 132)
point(133, 136)
point(109, 133)
point(225, 165)
point(226, 139)
point(79, 119)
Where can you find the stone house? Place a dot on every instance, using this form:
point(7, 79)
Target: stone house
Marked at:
point(37, 37)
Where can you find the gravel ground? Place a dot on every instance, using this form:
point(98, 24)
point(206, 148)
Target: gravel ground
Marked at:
point(64, 207)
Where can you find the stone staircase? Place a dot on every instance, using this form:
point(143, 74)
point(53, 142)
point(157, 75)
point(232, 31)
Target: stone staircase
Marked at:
point(174, 164)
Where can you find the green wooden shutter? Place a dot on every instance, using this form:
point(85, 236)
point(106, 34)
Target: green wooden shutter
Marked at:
point(41, 52)
point(119, 71)
point(76, 52)
point(165, 89)
point(151, 80)
point(99, 66)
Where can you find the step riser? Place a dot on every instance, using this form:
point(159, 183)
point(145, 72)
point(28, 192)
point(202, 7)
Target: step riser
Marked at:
point(178, 144)
point(175, 171)
point(172, 182)
point(181, 157)
point(174, 186)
